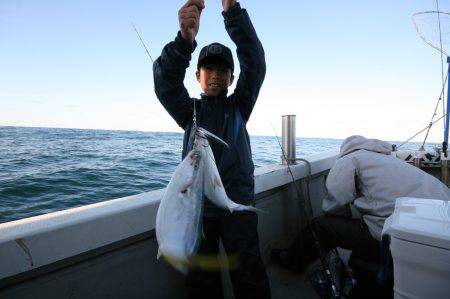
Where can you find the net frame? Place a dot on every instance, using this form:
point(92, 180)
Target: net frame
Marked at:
point(421, 34)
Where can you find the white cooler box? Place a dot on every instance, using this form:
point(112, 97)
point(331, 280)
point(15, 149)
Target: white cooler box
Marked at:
point(420, 247)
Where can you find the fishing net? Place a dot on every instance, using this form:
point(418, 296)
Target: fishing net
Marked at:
point(428, 23)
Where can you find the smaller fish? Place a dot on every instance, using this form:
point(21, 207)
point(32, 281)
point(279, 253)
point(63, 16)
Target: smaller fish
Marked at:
point(213, 186)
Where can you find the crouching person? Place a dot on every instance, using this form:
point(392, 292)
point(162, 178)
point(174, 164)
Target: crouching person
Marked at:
point(369, 177)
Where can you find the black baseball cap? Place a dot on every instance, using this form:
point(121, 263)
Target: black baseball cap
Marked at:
point(216, 53)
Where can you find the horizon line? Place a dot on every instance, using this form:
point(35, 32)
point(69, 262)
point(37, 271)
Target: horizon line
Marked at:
point(135, 130)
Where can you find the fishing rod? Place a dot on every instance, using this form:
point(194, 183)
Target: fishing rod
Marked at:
point(330, 283)
point(445, 143)
point(441, 97)
point(142, 42)
point(397, 147)
point(430, 40)
point(194, 115)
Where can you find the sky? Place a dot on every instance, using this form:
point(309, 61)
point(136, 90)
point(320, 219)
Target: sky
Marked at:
point(343, 67)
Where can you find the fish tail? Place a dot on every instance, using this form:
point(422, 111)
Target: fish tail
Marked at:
point(211, 135)
point(248, 208)
point(256, 210)
point(159, 254)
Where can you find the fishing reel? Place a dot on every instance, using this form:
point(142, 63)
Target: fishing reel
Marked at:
point(320, 283)
point(323, 286)
point(331, 281)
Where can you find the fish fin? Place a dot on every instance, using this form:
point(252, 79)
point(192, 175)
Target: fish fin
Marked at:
point(159, 254)
point(211, 135)
point(182, 268)
point(253, 209)
point(179, 264)
point(203, 234)
point(248, 208)
point(212, 157)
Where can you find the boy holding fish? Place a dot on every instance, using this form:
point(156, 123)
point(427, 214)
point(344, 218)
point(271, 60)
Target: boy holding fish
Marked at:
point(225, 116)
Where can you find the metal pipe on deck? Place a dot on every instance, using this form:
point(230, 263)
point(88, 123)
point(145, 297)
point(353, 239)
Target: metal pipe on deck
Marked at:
point(444, 170)
point(417, 161)
point(288, 139)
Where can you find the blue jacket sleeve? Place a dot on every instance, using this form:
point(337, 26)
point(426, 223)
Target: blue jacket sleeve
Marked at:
point(168, 74)
point(251, 58)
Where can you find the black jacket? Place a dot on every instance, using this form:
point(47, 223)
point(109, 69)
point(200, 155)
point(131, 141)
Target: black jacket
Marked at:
point(223, 116)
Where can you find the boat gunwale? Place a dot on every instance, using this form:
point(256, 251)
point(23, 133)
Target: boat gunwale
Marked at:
point(115, 221)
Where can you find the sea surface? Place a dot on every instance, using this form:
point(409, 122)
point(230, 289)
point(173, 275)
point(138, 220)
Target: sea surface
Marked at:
point(44, 170)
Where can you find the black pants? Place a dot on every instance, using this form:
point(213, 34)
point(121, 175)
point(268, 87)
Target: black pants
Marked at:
point(240, 240)
point(331, 232)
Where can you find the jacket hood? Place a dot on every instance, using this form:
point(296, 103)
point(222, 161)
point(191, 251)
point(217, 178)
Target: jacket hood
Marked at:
point(357, 142)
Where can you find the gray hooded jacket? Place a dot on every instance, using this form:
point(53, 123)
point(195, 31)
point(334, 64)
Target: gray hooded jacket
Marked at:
point(367, 175)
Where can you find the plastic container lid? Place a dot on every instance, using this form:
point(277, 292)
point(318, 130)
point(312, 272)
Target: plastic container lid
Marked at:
point(424, 221)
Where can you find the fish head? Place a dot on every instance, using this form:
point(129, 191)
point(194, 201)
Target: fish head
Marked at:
point(194, 158)
point(188, 170)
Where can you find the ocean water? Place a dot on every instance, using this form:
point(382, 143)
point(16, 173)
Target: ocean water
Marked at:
point(44, 170)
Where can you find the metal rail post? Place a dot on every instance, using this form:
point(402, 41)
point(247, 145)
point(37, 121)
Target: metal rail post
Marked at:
point(288, 139)
point(444, 170)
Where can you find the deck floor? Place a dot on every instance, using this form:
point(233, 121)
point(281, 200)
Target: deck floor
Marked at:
point(286, 284)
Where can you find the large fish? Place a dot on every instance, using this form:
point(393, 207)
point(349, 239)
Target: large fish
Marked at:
point(179, 216)
point(180, 213)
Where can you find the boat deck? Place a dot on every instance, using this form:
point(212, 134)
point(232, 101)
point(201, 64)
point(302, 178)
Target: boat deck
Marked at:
point(286, 284)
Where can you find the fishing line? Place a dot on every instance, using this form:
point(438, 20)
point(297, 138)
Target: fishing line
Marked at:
point(420, 132)
point(325, 268)
point(194, 117)
point(441, 97)
point(142, 42)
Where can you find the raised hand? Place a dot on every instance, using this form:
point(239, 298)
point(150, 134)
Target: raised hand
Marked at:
point(189, 18)
point(227, 4)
